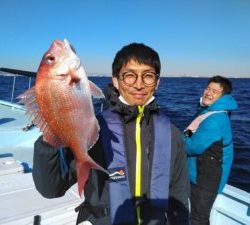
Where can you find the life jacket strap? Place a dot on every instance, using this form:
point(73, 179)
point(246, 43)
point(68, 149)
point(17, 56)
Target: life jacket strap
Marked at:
point(193, 126)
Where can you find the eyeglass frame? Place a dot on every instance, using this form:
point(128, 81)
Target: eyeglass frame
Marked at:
point(121, 76)
point(213, 91)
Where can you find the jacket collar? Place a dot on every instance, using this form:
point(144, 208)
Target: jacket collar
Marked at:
point(128, 112)
point(225, 102)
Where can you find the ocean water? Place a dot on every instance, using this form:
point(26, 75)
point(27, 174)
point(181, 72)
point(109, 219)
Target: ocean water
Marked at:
point(179, 97)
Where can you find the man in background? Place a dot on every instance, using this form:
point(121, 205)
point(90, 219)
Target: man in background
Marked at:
point(209, 144)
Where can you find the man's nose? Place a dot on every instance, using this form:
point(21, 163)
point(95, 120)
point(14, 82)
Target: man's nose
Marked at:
point(139, 83)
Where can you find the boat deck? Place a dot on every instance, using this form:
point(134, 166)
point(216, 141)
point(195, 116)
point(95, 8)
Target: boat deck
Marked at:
point(20, 201)
point(13, 138)
point(22, 204)
point(232, 207)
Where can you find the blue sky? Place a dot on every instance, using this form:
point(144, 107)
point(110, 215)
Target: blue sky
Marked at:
point(192, 37)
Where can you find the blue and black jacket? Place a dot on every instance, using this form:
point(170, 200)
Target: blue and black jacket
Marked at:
point(171, 202)
point(210, 148)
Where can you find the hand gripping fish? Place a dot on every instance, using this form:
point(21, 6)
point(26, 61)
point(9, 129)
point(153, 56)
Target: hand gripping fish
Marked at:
point(61, 106)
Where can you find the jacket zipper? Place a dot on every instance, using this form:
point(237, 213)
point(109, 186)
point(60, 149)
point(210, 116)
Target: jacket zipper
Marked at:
point(138, 160)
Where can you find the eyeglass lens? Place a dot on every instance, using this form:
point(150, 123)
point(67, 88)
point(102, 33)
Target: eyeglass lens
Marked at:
point(148, 78)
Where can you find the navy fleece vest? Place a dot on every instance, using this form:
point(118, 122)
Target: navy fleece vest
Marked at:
point(112, 133)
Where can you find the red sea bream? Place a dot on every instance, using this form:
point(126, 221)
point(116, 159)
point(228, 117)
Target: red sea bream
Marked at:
point(61, 106)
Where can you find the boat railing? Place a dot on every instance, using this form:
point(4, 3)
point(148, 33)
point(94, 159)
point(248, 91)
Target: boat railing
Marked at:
point(14, 84)
point(232, 207)
point(98, 103)
point(16, 73)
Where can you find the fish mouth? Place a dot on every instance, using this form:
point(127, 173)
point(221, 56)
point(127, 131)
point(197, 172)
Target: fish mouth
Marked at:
point(78, 64)
point(66, 42)
point(68, 45)
point(75, 65)
point(75, 62)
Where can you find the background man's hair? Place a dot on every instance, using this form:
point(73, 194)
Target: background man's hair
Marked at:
point(224, 82)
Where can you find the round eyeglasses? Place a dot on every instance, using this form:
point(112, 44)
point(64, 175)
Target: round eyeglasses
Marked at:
point(148, 78)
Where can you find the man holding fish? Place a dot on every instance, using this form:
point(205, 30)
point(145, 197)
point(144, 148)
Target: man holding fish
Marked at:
point(135, 171)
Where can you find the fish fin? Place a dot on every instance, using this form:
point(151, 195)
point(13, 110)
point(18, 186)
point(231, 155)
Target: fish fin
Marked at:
point(93, 134)
point(29, 100)
point(49, 137)
point(83, 169)
point(94, 165)
point(95, 91)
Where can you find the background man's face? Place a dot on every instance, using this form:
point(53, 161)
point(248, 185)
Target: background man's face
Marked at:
point(211, 93)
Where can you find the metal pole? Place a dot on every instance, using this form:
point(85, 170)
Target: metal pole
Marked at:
point(29, 81)
point(13, 89)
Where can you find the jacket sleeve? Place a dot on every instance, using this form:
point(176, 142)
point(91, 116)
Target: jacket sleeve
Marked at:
point(48, 172)
point(179, 190)
point(209, 131)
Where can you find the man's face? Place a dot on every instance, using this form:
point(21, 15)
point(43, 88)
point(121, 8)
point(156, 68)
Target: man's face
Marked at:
point(137, 93)
point(211, 93)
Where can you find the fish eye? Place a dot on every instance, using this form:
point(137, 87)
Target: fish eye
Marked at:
point(50, 59)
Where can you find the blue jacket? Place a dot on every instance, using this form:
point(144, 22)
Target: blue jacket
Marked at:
point(213, 129)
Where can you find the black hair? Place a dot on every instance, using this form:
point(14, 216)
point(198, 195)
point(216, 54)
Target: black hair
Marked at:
point(224, 82)
point(138, 52)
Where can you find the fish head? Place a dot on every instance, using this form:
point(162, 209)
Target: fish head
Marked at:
point(59, 62)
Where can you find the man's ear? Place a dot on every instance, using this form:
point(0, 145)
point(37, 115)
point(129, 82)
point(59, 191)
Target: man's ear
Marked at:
point(115, 82)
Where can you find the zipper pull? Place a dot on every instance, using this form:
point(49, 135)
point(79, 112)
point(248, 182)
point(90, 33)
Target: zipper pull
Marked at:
point(141, 110)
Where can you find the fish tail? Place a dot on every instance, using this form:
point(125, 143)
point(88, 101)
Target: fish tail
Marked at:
point(82, 170)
